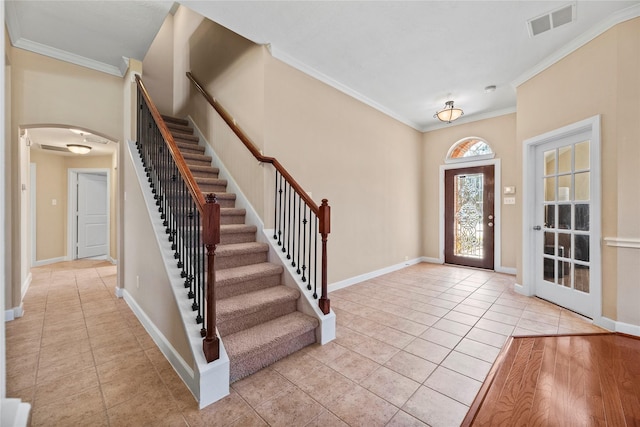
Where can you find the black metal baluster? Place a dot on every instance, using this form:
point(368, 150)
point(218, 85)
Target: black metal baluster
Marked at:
point(283, 214)
point(296, 224)
point(275, 208)
point(299, 231)
point(315, 260)
point(304, 243)
point(310, 249)
point(289, 225)
point(280, 213)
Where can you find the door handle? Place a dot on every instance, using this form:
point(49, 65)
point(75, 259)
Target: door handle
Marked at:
point(490, 224)
point(490, 216)
point(537, 228)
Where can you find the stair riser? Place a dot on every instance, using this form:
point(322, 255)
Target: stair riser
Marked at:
point(197, 162)
point(231, 219)
point(212, 188)
point(251, 285)
point(240, 260)
point(250, 320)
point(240, 368)
point(193, 148)
point(203, 174)
point(179, 136)
point(174, 127)
point(230, 238)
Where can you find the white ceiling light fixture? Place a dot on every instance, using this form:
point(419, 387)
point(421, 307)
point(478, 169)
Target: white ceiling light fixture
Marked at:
point(79, 148)
point(449, 113)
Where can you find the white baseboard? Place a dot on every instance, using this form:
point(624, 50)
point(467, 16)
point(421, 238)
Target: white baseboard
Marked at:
point(622, 327)
point(112, 261)
point(506, 270)
point(119, 292)
point(42, 262)
point(361, 278)
point(13, 313)
point(25, 285)
point(14, 412)
point(432, 260)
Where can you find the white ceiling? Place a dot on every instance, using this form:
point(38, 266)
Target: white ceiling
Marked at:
point(405, 58)
point(61, 136)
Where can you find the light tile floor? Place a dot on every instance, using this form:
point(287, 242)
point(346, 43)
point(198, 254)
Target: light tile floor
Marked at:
point(412, 349)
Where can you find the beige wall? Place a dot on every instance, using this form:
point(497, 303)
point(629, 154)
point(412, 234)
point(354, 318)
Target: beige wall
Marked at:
point(500, 133)
point(602, 77)
point(145, 275)
point(365, 163)
point(52, 183)
point(158, 68)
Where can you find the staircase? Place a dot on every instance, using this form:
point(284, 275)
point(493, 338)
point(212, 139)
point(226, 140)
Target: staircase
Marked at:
point(256, 314)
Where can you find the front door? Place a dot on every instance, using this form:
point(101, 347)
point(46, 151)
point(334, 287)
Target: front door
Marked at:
point(565, 239)
point(93, 208)
point(469, 216)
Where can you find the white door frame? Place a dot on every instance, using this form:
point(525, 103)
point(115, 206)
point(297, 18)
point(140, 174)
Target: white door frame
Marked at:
point(497, 229)
point(591, 125)
point(72, 218)
point(32, 195)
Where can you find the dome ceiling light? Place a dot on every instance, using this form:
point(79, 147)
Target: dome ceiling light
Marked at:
point(449, 113)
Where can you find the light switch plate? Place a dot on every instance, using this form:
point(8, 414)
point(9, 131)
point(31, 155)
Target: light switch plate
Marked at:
point(510, 189)
point(509, 200)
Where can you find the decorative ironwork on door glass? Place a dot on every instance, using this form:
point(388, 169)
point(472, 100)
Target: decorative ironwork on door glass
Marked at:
point(469, 215)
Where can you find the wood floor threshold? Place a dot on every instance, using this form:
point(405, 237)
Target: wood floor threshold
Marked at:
point(567, 379)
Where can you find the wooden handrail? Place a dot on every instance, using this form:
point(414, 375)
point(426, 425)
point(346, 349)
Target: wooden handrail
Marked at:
point(209, 211)
point(323, 213)
point(252, 147)
point(192, 185)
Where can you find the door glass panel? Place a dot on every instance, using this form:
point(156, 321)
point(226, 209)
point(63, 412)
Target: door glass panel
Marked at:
point(564, 159)
point(564, 245)
point(564, 273)
point(549, 189)
point(549, 162)
point(582, 186)
point(582, 278)
point(582, 217)
point(550, 216)
point(468, 215)
point(549, 243)
point(549, 273)
point(582, 155)
point(581, 252)
point(564, 217)
point(564, 188)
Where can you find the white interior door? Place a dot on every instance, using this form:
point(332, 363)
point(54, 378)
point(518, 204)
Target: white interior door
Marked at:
point(567, 223)
point(93, 210)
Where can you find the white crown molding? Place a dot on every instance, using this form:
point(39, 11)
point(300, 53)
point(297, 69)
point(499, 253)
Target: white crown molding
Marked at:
point(63, 55)
point(614, 19)
point(287, 59)
point(470, 119)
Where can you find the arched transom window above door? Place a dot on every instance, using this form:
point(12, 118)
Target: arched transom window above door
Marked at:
point(468, 150)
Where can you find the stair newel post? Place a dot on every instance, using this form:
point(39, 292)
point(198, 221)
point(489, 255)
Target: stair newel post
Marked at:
point(325, 229)
point(210, 238)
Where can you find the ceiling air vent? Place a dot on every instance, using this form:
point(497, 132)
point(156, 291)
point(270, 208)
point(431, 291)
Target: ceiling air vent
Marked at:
point(54, 148)
point(550, 20)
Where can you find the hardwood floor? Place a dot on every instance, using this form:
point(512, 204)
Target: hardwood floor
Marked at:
point(583, 380)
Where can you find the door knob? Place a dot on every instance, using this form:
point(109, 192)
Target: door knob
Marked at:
point(490, 224)
point(537, 228)
point(490, 216)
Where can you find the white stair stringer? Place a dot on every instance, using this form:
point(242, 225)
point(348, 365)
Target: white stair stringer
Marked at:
point(208, 382)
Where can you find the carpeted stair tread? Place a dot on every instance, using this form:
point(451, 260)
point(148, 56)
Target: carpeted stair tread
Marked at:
point(241, 305)
point(189, 147)
point(185, 137)
point(203, 170)
point(237, 249)
point(233, 212)
point(211, 181)
point(262, 338)
point(178, 128)
point(195, 156)
point(231, 276)
point(176, 120)
point(237, 228)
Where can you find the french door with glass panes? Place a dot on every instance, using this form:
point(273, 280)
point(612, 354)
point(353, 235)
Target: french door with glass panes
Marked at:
point(566, 238)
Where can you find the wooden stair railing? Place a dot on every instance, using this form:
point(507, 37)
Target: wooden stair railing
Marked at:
point(192, 220)
point(290, 217)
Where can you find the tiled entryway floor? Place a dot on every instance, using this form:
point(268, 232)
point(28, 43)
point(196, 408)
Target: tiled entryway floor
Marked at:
point(413, 348)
